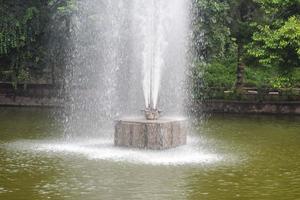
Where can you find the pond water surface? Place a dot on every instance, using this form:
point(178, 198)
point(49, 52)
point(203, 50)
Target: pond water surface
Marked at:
point(230, 157)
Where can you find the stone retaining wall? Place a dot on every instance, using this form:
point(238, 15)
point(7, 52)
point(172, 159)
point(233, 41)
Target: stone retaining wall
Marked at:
point(29, 101)
point(221, 106)
point(44, 95)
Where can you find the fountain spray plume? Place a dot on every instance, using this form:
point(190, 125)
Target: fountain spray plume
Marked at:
point(151, 111)
point(151, 84)
point(116, 45)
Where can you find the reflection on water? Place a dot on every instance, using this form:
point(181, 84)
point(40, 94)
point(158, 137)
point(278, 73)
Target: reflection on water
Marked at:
point(235, 157)
point(103, 149)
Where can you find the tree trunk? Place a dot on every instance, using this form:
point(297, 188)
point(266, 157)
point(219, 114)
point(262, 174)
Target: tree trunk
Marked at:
point(240, 69)
point(53, 74)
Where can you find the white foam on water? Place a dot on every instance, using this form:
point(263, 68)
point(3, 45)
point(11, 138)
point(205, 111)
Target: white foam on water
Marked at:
point(103, 149)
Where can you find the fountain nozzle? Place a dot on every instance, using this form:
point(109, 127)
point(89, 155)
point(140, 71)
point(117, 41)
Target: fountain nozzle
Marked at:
point(152, 114)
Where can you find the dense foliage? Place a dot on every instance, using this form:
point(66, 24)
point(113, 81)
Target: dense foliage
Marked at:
point(252, 42)
point(277, 41)
point(26, 30)
point(237, 43)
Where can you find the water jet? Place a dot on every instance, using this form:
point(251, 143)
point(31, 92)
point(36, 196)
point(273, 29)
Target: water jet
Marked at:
point(152, 132)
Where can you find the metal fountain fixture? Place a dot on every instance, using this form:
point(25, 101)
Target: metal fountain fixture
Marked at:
point(152, 114)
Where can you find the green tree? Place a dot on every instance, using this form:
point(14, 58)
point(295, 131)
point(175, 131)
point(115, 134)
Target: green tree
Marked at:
point(241, 14)
point(223, 29)
point(211, 34)
point(277, 41)
point(18, 38)
point(26, 30)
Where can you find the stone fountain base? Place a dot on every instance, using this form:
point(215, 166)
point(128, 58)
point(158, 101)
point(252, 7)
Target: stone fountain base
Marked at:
point(150, 134)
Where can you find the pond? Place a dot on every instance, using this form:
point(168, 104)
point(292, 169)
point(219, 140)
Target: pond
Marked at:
point(244, 157)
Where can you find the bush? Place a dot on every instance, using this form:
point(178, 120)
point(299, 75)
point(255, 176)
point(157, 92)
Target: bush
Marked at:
point(259, 77)
point(219, 74)
point(212, 79)
point(296, 77)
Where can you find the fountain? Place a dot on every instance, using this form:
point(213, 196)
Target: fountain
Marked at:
point(128, 55)
point(151, 132)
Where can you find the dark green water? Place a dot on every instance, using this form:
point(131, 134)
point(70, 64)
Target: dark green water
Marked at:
point(260, 161)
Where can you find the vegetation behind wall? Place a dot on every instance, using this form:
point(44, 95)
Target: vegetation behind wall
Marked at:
point(33, 39)
point(246, 43)
point(237, 43)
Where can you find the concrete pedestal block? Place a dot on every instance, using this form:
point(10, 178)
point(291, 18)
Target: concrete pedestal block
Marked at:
point(146, 134)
